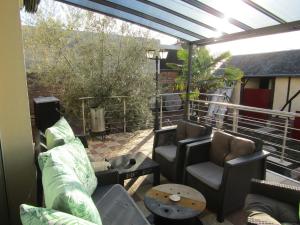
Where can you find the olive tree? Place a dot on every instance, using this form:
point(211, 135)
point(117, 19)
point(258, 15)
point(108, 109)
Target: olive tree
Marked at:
point(85, 54)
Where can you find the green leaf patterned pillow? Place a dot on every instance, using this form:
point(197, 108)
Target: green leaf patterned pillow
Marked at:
point(63, 190)
point(75, 157)
point(59, 134)
point(31, 215)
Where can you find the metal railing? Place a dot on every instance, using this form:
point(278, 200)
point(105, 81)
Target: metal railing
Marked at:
point(274, 127)
point(116, 113)
point(171, 108)
point(85, 104)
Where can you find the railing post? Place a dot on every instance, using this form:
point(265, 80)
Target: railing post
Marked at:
point(124, 115)
point(161, 111)
point(190, 109)
point(83, 115)
point(286, 124)
point(235, 120)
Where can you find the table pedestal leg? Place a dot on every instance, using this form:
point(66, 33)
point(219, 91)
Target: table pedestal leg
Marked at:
point(156, 177)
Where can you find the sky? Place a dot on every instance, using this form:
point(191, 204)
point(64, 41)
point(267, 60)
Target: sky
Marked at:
point(270, 43)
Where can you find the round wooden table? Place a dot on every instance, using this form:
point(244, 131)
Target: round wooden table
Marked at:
point(192, 203)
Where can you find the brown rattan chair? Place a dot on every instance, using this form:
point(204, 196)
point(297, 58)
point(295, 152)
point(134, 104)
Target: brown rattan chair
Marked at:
point(225, 184)
point(169, 147)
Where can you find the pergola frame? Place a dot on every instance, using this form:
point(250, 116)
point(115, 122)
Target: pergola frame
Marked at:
point(147, 13)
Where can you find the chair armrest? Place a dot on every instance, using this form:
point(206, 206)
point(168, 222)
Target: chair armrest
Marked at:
point(281, 192)
point(191, 140)
point(83, 139)
point(240, 161)
point(237, 176)
point(162, 131)
point(107, 177)
point(240, 171)
point(197, 152)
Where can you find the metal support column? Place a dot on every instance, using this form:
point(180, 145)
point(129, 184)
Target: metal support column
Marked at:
point(156, 120)
point(286, 125)
point(124, 115)
point(187, 99)
point(161, 111)
point(83, 116)
point(235, 120)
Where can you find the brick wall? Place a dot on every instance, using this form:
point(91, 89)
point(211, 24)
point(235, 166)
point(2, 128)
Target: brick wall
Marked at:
point(167, 80)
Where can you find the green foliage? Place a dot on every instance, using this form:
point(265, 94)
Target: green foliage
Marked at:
point(203, 66)
point(92, 55)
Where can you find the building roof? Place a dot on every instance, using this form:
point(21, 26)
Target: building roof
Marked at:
point(271, 64)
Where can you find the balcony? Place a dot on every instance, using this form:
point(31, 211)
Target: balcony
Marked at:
point(214, 111)
point(197, 23)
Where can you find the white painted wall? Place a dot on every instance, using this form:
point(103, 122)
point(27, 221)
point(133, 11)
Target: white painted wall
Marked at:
point(15, 127)
point(252, 83)
point(295, 86)
point(236, 93)
point(280, 93)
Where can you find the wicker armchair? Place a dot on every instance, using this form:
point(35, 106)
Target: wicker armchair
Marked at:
point(272, 203)
point(169, 147)
point(224, 186)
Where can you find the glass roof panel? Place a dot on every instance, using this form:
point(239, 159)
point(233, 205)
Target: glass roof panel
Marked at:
point(239, 10)
point(165, 16)
point(288, 10)
point(200, 15)
point(129, 17)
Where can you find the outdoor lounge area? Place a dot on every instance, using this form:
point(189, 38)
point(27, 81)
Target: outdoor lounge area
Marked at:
point(103, 123)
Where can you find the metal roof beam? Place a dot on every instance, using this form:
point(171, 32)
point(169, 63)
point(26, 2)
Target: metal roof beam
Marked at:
point(216, 13)
point(148, 17)
point(264, 11)
point(77, 4)
point(163, 8)
point(280, 28)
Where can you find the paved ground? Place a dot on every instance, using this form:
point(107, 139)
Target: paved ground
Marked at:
point(142, 141)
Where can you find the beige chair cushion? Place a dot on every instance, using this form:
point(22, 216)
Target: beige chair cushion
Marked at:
point(194, 130)
point(220, 147)
point(181, 130)
point(239, 147)
point(167, 151)
point(277, 210)
point(207, 172)
point(257, 217)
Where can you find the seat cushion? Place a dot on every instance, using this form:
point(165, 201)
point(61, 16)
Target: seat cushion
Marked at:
point(181, 130)
point(117, 207)
point(220, 147)
point(257, 217)
point(194, 130)
point(167, 151)
point(59, 134)
point(208, 173)
point(280, 211)
point(31, 215)
point(239, 147)
point(75, 157)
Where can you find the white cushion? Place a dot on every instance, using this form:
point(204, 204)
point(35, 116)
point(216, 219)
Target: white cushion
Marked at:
point(167, 151)
point(207, 172)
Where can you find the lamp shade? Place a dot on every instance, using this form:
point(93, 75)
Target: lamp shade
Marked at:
point(150, 54)
point(163, 54)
